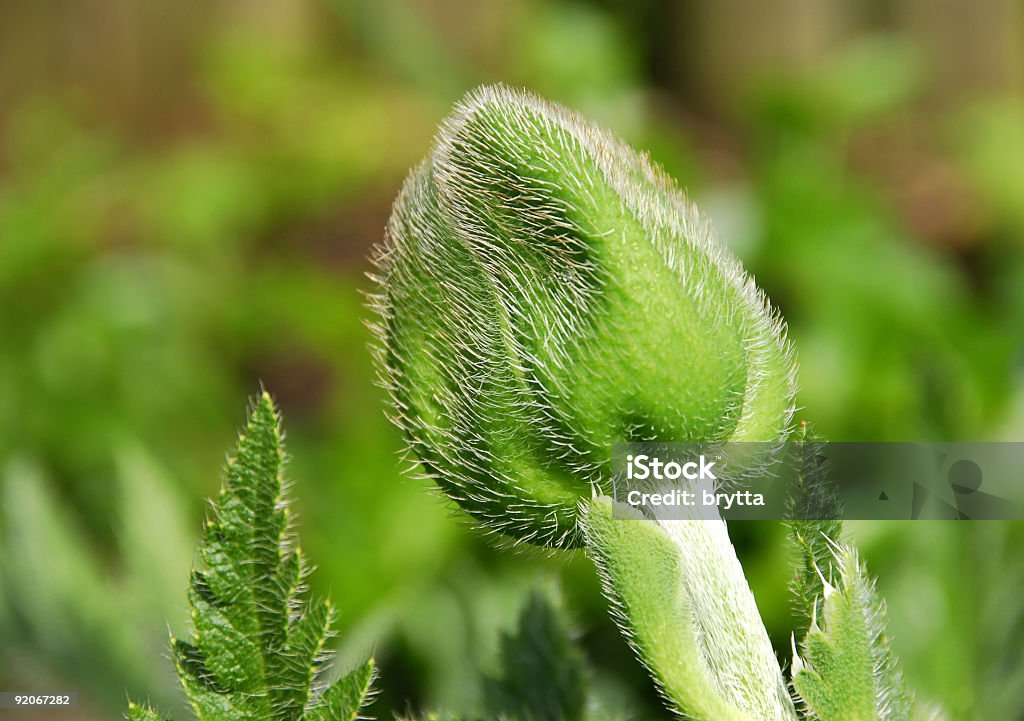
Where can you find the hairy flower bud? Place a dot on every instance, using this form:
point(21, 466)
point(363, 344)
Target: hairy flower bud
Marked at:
point(546, 293)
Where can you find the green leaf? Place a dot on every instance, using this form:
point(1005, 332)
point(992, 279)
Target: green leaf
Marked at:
point(156, 538)
point(680, 596)
point(342, 701)
point(815, 523)
point(257, 651)
point(71, 614)
point(846, 670)
point(542, 675)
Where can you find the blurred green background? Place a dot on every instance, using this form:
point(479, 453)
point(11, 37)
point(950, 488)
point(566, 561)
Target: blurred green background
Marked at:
point(188, 194)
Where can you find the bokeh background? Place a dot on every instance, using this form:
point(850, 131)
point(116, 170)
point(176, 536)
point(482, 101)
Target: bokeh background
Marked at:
point(188, 194)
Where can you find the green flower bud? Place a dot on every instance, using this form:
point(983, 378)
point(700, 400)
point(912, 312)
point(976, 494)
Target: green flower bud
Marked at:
point(545, 293)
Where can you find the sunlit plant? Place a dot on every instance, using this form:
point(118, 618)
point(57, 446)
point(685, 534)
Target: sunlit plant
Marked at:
point(544, 293)
point(259, 647)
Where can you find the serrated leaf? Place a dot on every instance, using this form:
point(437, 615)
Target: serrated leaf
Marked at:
point(542, 675)
point(258, 645)
point(814, 524)
point(247, 536)
point(231, 654)
point(306, 656)
point(344, 698)
point(210, 700)
point(846, 670)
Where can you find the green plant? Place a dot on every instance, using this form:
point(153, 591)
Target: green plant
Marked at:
point(258, 649)
point(86, 623)
point(545, 293)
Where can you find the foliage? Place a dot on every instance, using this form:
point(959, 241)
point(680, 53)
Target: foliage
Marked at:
point(814, 526)
point(519, 257)
point(542, 674)
point(163, 168)
point(258, 648)
point(73, 612)
point(846, 669)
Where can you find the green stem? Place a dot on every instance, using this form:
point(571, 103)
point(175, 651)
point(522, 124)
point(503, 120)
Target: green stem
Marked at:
point(679, 594)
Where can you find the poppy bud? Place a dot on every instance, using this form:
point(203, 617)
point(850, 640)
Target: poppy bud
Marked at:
point(545, 293)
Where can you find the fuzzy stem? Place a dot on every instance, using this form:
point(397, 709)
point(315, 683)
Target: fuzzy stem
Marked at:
point(679, 594)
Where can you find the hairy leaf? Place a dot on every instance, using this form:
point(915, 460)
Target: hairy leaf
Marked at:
point(542, 675)
point(258, 647)
point(815, 523)
point(343, 699)
point(846, 670)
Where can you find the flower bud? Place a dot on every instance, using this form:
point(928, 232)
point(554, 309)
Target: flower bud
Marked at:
point(545, 293)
